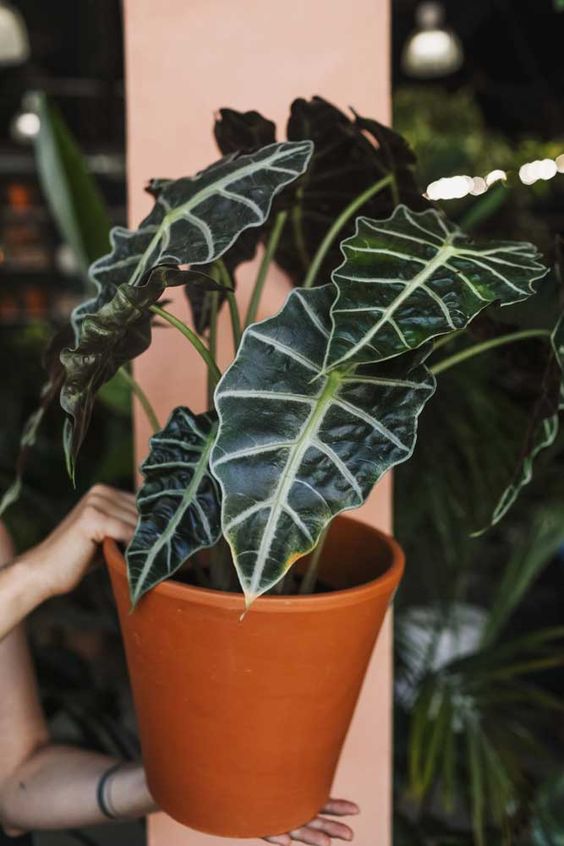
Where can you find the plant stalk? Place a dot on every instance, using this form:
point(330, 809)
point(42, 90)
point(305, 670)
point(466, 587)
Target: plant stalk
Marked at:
point(212, 345)
point(269, 251)
point(310, 578)
point(144, 401)
point(227, 282)
point(191, 336)
point(343, 218)
point(478, 349)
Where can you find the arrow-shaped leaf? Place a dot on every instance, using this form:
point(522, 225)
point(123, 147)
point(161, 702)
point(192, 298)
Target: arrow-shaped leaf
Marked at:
point(415, 276)
point(179, 502)
point(296, 447)
point(192, 222)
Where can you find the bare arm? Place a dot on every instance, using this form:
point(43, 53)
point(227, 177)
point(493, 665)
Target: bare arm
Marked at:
point(44, 786)
point(57, 564)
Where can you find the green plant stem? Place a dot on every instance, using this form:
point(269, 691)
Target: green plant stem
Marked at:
point(212, 345)
point(142, 397)
point(269, 251)
point(447, 339)
point(343, 218)
point(478, 349)
point(227, 282)
point(310, 578)
point(191, 336)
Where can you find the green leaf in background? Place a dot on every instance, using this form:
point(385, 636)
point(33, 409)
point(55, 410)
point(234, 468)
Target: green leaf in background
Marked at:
point(50, 392)
point(543, 424)
point(193, 221)
point(528, 559)
point(179, 502)
point(416, 276)
point(72, 194)
point(547, 826)
point(559, 5)
point(295, 447)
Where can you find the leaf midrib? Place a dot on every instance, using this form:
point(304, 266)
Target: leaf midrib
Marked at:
point(287, 478)
point(189, 494)
point(441, 257)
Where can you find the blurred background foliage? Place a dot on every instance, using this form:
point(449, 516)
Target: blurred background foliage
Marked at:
point(479, 639)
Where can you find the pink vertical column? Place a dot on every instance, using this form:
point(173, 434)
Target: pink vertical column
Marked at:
point(184, 60)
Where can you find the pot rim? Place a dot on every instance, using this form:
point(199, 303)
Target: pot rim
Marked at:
point(382, 584)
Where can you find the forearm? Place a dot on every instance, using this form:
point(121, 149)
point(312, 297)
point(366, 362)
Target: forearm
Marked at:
point(22, 588)
point(57, 788)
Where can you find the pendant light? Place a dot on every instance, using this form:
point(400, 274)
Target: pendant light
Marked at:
point(432, 50)
point(14, 40)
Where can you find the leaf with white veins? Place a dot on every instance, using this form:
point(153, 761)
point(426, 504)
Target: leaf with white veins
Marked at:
point(416, 276)
point(178, 503)
point(296, 447)
point(194, 221)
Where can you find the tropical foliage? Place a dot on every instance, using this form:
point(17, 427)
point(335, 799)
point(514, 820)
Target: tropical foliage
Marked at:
point(322, 399)
point(320, 402)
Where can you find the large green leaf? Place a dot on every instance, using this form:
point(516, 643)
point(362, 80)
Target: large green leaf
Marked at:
point(416, 276)
point(195, 220)
point(72, 194)
point(179, 502)
point(192, 222)
point(296, 447)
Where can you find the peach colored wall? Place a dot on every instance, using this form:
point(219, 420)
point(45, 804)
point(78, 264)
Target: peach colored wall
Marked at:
point(184, 60)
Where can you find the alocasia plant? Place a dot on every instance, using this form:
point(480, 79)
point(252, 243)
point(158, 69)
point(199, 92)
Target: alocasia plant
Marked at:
point(323, 398)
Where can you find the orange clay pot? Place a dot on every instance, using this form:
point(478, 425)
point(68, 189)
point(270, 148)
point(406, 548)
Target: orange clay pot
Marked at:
point(242, 721)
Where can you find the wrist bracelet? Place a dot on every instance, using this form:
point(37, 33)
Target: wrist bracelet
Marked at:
point(104, 801)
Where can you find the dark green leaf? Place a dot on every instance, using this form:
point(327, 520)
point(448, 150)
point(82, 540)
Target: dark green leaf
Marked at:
point(235, 132)
point(243, 132)
point(295, 447)
point(179, 502)
point(350, 156)
point(194, 221)
point(415, 276)
point(117, 333)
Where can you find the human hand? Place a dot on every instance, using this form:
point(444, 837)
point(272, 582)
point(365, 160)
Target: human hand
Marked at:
point(62, 559)
point(320, 831)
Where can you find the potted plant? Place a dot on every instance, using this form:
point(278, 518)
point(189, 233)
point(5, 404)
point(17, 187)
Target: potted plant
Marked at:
point(251, 694)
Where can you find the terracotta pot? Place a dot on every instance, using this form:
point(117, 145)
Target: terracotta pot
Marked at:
point(242, 721)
